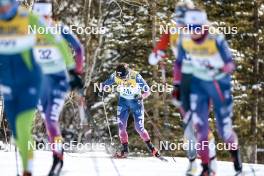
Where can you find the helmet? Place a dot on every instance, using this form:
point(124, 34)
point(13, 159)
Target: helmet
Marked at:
point(6, 2)
point(180, 10)
point(195, 19)
point(43, 7)
point(122, 71)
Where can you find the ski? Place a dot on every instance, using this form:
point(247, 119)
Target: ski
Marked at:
point(161, 158)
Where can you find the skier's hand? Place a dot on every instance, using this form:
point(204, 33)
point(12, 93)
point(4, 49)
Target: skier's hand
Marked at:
point(155, 57)
point(138, 96)
point(176, 95)
point(146, 95)
point(75, 80)
point(101, 93)
point(142, 96)
point(228, 68)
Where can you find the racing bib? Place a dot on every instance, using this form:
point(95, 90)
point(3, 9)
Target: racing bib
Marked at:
point(14, 35)
point(128, 88)
point(203, 55)
point(48, 56)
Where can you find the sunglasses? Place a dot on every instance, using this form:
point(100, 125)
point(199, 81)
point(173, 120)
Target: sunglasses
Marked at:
point(195, 27)
point(121, 75)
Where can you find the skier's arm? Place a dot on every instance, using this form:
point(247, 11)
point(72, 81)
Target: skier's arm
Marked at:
point(77, 47)
point(226, 55)
point(177, 65)
point(56, 39)
point(110, 81)
point(177, 74)
point(163, 43)
point(143, 85)
point(158, 53)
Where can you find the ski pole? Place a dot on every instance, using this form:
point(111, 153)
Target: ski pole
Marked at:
point(1, 107)
point(2, 120)
point(164, 81)
point(16, 161)
point(81, 108)
point(107, 121)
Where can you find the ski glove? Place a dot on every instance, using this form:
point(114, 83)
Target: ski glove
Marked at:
point(228, 68)
point(176, 95)
point(75, 80)
point(142, 96)
point(155, 57)
point(101, 93)
point(138, 97)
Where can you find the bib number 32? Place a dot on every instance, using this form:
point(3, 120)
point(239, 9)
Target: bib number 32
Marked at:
point(44, 54)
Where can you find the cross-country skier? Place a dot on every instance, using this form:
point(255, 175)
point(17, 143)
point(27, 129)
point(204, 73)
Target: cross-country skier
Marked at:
point(132, 90)
point(182, 89)
point(55, 66)
point(20, 75)
point(212, 65)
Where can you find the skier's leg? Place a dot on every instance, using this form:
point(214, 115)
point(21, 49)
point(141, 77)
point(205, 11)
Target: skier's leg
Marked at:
point(189, 133)
point(138, 113)
point(24, 123)
point(26, 102)
point(189, 137)
point(122, 116)
point(199, 108)
point(21, 125)
point(212, 151)
point(52, 102)
point(27, 97)
point(223, 107)
point(190, 140)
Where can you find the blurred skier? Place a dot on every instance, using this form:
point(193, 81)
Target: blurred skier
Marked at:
point(212, 65)
point(20, 75)
point(55, 66)
point(182, 88)
point(132, 90)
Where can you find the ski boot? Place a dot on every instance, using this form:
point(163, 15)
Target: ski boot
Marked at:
point(124, 152)
point(192, 169)
point(155, 152)
point(239, 173)
point(213, 165)
point(27, 173)
point(57, 165)
point(237, 162)
point(207, 171)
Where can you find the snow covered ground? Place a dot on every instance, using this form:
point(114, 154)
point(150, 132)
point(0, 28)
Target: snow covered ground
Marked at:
point(101, 164)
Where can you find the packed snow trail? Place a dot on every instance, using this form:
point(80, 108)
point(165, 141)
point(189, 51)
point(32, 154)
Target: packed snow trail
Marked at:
point(101, 164)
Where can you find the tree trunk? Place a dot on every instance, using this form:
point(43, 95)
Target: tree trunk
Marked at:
point(254, 119)
point(153, 6)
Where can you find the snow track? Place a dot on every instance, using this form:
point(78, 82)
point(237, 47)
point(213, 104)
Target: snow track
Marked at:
point(101, 164)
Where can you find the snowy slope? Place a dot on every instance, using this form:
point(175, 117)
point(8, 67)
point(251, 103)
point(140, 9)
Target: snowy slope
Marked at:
point(101, 164)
